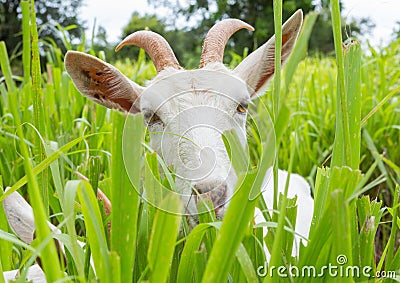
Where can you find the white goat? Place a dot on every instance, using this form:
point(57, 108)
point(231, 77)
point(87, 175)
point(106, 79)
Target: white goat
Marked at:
point(186, 111)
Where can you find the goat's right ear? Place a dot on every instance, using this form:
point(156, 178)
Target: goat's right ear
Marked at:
point(102, 83)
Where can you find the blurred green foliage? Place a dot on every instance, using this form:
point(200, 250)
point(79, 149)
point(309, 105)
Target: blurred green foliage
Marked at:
point(185, 31)
point(49, 14)
point(203, 14)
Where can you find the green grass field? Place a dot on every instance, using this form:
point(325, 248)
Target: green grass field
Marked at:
point(336, 121)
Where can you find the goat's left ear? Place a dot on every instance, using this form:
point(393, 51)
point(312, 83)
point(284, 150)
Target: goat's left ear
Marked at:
point(102, 83)
point(258, 68)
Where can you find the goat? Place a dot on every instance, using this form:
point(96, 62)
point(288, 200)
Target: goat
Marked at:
point(186, 111)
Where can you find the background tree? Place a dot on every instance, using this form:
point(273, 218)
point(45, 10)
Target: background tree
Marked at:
point(396, 31)
point(202, 14)
point(136, 23)
point(99, 42)
point(321, 39)
point(48, 13)
point(183, 43)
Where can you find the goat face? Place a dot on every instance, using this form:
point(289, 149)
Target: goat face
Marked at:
point(188, 110)
point(186, 113)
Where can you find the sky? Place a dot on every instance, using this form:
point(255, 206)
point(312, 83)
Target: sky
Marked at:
point(384, 13)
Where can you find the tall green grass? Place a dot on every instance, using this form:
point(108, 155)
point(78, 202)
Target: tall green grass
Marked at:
point(334, 120)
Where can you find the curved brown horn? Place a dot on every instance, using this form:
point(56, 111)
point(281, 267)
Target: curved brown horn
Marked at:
point(155, 45)
point(217, 37)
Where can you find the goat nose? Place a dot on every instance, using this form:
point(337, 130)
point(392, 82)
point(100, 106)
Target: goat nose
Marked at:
point(214, 191)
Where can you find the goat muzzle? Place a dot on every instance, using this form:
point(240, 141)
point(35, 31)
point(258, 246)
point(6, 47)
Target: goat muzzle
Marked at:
point(216, 192)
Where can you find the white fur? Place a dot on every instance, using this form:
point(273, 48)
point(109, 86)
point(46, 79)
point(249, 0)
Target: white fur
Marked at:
point(196, 107)
point(299, 187)
point(35, 274)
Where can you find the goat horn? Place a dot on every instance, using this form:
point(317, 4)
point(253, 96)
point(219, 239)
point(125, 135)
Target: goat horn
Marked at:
point(155, 45)
point(217, 37)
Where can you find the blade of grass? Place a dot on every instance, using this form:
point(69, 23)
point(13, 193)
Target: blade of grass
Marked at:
point(341, 230)
point(239, 213)
point(95, 232)
point(300, 49)
point(126, 156)
point(49, 256)
point(5, 246)
point(378, 158)
point(277, 6)
point(1, 272)
point(246, 264)
point(341, 150)
point(116, 267)
point(370, 214)
point(14, 240)
point(155, 191)
point(45, 164)
point(352, 67)
point(26, 41)
point(163, 237)
point(38, 108)
point(69, 213)
point(392, 238)
point(187, 263)
point(380, 104)
point(278, 244)
point(277, 62)
point(238, 156)
point(188, 266)
point(235, 223)
point(6, 69)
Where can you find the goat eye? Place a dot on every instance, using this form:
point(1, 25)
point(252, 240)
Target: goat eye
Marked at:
point(242, 108)
point(151, 118)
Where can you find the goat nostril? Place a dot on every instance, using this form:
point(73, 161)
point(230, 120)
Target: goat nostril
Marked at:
point(214, 191)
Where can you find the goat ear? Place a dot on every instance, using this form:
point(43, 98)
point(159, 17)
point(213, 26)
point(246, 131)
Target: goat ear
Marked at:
point(258, 68)
point(102, 83)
